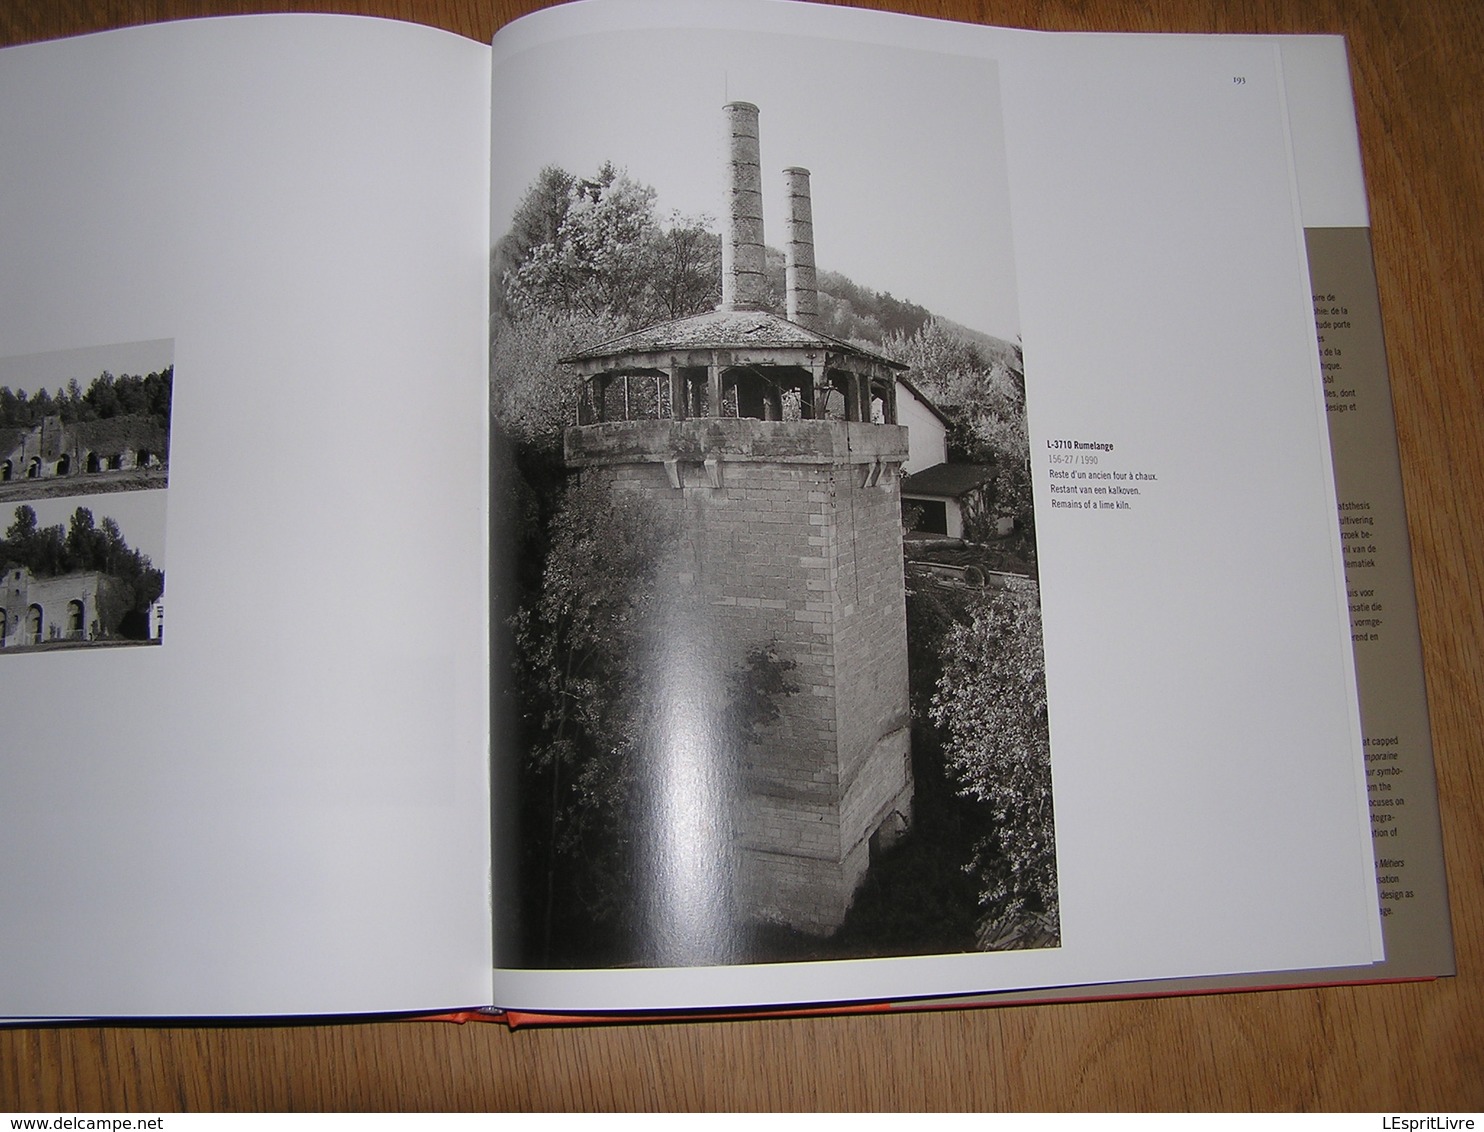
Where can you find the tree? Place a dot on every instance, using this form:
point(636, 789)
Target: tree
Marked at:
point(608, 656)
point(85, 544)
point(581, 644)
point(537, 221)
point(595, 247)
point(24, 525)
point(991, 703)
point(106, 396)
point(585, 259)
point(532, 396)
point(686, 267)
point(539, 217)
point(594, 261)
point(983, 394)
point(42, 405)
point(999, 425)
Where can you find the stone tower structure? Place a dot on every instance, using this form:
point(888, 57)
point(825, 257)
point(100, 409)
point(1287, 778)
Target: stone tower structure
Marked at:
point(773, 449)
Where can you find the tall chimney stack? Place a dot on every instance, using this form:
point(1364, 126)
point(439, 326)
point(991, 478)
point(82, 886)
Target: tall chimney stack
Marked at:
point(743, 282)
point(803, 291)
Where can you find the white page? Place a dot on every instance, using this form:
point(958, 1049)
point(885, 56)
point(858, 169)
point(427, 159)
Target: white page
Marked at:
point(283, 807)
point(1326, 143)
point(1209, 792)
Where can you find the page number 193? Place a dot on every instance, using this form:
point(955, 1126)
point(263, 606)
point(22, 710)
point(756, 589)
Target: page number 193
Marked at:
point(1239, 80)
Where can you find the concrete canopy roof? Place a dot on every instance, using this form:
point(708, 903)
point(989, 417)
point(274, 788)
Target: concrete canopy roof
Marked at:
point(752, 331)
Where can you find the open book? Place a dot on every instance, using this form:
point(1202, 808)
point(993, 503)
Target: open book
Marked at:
point(724, 505)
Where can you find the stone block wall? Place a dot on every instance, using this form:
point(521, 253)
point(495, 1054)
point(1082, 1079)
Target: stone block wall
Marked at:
point(53, 449)
point(785, 544)
point(21, 593)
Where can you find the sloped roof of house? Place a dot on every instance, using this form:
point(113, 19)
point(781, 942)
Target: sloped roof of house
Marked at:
point(725, 330)
point(951, 480)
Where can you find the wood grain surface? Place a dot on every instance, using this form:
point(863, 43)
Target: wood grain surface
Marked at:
point(1418, 70)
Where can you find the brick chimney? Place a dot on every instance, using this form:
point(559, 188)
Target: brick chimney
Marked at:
point(743, 282)
point(803, 294)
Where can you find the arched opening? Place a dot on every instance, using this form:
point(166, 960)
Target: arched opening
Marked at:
point(33, 625)
point(33, 469)
point(144, 458)
point(4, 626)
point(64, 465)
point(74, 620)
point(5, 471)
point(116, 462)
point(91, 465)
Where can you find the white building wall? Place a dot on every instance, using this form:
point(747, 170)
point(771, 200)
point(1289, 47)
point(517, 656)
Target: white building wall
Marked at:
point(927, 437)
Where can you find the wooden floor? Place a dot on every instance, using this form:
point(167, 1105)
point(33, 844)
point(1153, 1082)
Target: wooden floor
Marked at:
point(1418, 68)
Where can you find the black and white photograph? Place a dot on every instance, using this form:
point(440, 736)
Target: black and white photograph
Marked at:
point(773, 640)
point(84, 466)
point(82, 572)
point(84, 422)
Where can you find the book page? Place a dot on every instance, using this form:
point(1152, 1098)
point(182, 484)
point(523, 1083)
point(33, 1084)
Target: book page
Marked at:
point(270, 234)
point(1399, 773)
point(1126, 718)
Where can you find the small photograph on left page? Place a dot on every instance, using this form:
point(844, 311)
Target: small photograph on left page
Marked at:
point(84, 467)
